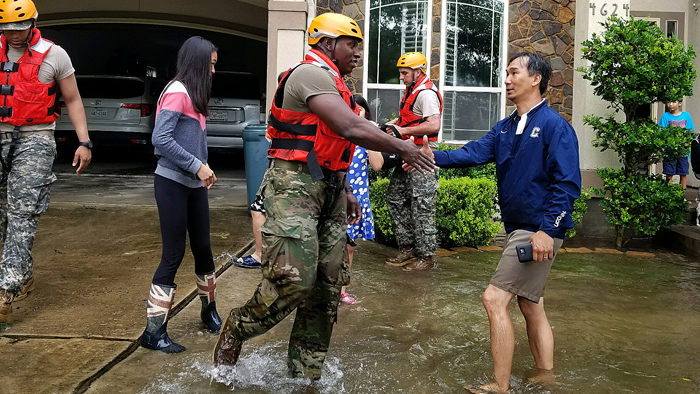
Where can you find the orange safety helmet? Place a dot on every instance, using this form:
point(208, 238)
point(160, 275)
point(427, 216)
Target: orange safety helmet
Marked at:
point(17, 14)
point(413, 60)
point(332, 25)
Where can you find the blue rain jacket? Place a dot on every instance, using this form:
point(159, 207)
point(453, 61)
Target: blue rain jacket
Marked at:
point(538, 171)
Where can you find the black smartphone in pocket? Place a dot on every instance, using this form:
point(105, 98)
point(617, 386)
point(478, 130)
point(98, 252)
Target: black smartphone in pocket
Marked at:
point(524, 252)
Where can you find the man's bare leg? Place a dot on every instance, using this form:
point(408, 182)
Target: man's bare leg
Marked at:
point(496, 302)
point(258, 221)
point(539, 333)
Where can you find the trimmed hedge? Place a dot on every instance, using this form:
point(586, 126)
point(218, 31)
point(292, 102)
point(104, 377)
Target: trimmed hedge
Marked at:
point(383, 230)
point(463, 214)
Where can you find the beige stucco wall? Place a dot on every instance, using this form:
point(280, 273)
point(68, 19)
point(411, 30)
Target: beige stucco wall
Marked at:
point(692, 34)
point(286, 43)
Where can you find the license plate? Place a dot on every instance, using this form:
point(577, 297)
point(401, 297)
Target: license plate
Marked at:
point(218, 116)
point(98, 113)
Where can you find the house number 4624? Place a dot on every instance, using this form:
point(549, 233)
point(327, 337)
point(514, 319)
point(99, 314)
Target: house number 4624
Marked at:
point(610, 9)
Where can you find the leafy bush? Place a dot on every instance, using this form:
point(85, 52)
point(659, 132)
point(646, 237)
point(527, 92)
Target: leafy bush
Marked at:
point(640, 142)
point(643, 204)
point(580, 209)
point(464, 212)
point(383, 230)
point(633, 64)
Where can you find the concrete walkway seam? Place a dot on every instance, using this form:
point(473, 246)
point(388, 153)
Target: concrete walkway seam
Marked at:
point(87, 382)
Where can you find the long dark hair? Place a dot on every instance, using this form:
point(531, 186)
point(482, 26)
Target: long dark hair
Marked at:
point(359, 100)
point(194, 71)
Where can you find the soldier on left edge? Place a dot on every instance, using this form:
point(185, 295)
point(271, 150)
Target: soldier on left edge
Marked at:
point(33, 68)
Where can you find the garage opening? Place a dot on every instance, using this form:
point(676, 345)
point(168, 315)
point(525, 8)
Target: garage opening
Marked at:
point(150, 50)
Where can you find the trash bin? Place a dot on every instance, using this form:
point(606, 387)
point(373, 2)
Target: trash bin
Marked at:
point(255, 147)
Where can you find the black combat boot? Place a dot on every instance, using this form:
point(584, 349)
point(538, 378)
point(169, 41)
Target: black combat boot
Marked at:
point(155, 336)
point(206, 288)
point(228, 348)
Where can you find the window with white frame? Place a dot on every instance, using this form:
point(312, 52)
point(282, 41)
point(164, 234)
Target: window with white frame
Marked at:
point(473, 64)
point(395, 27)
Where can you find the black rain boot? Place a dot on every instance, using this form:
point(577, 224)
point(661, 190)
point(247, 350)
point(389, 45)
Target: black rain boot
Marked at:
point(206, 288)
point(155, 336)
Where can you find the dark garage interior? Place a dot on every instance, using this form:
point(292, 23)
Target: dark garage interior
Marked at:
point(132, 49)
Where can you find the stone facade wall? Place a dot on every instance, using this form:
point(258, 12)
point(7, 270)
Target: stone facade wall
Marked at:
point(435, 39)
point(355, 9)
point(547, 28)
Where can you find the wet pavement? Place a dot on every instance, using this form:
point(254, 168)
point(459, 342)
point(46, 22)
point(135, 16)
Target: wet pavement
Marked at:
point(624, 320)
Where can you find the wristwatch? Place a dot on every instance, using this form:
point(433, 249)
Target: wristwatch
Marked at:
point(87, 144)
point(348, 189)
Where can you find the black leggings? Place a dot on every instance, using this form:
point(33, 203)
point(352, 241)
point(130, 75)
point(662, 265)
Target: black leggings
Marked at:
point(182, 210)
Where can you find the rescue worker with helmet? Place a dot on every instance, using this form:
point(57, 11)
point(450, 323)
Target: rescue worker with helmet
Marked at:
point(313, 126)
point(411, 196)
point(32, 69)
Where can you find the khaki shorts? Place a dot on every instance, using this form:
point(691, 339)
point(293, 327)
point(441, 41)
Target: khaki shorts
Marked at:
point(522, 279)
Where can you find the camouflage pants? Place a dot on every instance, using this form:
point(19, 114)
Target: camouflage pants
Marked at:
point(411, 203)
point(24, 196)
point(304, 266)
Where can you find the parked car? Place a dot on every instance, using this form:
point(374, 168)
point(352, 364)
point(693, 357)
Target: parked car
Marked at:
point(235, 103)
point(120, 110)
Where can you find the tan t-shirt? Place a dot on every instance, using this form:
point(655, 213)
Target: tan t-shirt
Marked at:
point(427, 104)
point(305, 82)
point(55, 67)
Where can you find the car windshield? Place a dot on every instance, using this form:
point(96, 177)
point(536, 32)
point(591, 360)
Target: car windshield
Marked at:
point(235, 86)
point(110, 88)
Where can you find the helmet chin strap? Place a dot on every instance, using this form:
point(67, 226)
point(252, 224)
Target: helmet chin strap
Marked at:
point(330, 52)
point(29, 38)
point(335, 41)
point(415, 80)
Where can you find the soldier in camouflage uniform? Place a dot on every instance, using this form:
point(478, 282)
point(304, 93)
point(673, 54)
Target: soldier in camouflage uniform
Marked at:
point(304, 258)
point(411, 199)
point(411, 196)
point(27, 145)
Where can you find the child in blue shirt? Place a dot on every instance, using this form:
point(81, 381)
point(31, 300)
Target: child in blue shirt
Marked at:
point(678, 118)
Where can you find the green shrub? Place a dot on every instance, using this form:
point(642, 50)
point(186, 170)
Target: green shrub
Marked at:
point(633, 64)
point(383, 230)
point(642, 203)
point(580, 209)
point(464, 212)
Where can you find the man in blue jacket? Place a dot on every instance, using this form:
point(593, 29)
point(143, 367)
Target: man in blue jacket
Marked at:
point(537, 167)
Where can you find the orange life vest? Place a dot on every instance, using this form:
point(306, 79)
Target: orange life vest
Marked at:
point(406, 116)
point(24, 99)
point(303, 136)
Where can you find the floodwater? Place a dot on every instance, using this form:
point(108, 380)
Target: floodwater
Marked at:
point(621, 325)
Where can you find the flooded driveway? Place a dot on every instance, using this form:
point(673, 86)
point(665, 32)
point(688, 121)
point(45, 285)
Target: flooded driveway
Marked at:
point(622, 325)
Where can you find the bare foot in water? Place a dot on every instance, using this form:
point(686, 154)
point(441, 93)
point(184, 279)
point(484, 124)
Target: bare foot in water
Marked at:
point(491, 388)
point(545, 377)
